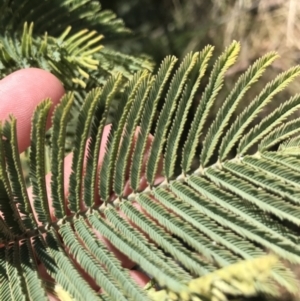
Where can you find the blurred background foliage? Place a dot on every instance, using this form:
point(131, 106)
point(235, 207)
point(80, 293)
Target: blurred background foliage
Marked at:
point(163, 27)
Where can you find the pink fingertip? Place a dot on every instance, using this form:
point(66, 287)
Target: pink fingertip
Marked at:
point(21, 92)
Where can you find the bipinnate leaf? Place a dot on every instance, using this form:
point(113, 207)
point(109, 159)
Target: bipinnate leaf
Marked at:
point(206, 211)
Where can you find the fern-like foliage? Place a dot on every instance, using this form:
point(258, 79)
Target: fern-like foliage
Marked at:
point(71, 39)
point(64, 37)
point(191, 228)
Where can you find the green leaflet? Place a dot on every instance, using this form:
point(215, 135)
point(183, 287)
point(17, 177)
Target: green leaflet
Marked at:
point(149, 250)
point(115, 135)
point(230, 104)
point(5, 292)
point(216, 199)
point(276, 171)
point(238, 127)
point(50, 265)
point(17, 189)
point(139, 255)
point(97, 128)
point(183, 108)
point(37, 159)
point(266, 202)
point(283, 132)
point(34, 285)
point(211, 91)
point(82, 133)
point(269, 123)
point(59, 121)
point(289, 147)
point(6, 231)
point(166, 241)
point(156, 91)
point(264, 180)
point(12, 266)
point(26, 44)
point(208, 227)
point(246, 220)
point(189, 234)
point(106, 258)
point(121, 165)
point(75, 284)
point(89, 264)
point(164, 120)
point(280, 157)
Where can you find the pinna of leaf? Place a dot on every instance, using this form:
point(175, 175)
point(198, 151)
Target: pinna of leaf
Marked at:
point(9, 86)
point(181, 229)
point(38, 84)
